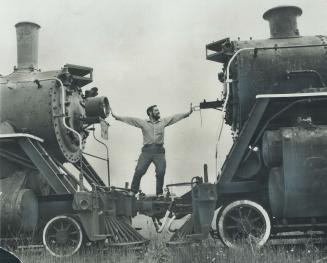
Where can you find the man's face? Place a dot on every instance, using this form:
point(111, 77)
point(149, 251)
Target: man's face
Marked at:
point(155, 113)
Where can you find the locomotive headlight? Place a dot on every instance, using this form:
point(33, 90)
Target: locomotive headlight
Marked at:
point(97, 107)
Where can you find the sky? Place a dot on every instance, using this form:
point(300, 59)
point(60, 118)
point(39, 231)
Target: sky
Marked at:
point(146, 52)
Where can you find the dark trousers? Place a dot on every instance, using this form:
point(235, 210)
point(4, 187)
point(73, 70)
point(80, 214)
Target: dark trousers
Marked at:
point(150, 155)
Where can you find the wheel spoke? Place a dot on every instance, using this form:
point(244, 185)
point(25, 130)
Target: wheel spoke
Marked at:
point(249, 213)
point(258, 230)
point(61, 225)
point(67, 227)
point(231, 227)
point(74, 241)
point(240, 212)
point(252, 237)
point(233, 218)
point(237, 235)
point(253, 220)
point(55, 228)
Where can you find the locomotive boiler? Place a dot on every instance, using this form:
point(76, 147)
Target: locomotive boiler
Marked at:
point(51, 104)
point(274, 178)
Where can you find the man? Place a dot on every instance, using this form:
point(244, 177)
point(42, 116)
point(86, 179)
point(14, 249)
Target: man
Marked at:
point(153, 141)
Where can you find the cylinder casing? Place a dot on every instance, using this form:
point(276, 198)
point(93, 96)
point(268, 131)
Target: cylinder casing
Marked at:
point(19, 206)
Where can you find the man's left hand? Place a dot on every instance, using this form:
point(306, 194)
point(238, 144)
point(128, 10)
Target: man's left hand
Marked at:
point(191, 109)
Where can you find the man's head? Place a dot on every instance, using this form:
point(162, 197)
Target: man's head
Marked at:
point(153, 112)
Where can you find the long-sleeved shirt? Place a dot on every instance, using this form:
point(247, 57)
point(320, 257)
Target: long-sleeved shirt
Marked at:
point(153, 131)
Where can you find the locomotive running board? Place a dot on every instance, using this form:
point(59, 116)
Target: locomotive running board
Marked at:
point(292, 95)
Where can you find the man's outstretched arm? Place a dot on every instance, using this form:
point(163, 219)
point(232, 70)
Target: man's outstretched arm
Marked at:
point(137, 122)
point(177, 117)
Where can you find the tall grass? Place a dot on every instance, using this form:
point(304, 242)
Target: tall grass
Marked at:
point(209, 251)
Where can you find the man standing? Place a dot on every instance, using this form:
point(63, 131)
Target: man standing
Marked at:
point(153, 140)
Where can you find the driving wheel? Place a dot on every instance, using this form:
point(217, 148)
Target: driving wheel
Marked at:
point(243, 222)
point(62, 236)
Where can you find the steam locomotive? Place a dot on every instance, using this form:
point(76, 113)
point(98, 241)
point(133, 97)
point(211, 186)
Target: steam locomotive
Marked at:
point(275, 176)
point(45, 120)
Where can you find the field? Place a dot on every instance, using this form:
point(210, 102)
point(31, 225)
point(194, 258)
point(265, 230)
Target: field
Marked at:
point(210, 251)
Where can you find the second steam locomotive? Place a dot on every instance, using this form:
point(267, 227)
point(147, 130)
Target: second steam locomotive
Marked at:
point(274, 177)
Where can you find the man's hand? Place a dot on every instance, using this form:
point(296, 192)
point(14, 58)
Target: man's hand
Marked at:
point(112, 113)
point(191, 109)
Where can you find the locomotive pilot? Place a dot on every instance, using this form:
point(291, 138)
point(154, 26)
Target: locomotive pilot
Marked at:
point(153, 141)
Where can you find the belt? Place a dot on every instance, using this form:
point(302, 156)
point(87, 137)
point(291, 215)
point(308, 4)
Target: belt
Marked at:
point(153, 148)
point(153, 145)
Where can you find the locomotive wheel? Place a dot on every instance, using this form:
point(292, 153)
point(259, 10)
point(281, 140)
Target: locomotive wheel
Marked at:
point(62, 236)
point(241, 222)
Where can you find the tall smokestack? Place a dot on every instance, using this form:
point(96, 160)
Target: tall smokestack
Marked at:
point(27, 45)
point(282, 21)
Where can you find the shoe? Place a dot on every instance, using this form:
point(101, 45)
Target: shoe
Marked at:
point(132, 194)
point(160, 196)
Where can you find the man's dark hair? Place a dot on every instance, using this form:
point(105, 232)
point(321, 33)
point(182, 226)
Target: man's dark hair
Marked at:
point(150, 109)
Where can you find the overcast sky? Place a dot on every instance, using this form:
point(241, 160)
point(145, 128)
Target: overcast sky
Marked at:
point(148, 52)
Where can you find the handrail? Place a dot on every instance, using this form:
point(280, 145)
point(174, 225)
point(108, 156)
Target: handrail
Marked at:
point(20, 135)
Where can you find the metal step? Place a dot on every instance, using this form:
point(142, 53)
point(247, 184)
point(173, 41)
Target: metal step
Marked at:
point(45, 165)
point(89, 173)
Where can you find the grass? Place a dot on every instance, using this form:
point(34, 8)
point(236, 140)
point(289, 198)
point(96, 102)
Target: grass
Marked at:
point(209, 251)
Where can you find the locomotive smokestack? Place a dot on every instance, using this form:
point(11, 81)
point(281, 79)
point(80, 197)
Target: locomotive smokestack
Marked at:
point(27, 45)
point(282, 21)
